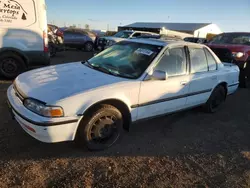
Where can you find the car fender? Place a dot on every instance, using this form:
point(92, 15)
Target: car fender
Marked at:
point(77, 105)
point(101, 99)
point(220, 82)
point(16, 51)
point(91, 101)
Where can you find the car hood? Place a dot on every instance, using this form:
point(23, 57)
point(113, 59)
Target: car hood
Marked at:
point(54, 83)
point(116, 39)
point(231, 47)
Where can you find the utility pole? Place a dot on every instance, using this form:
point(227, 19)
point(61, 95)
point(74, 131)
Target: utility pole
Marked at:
point(108, 27)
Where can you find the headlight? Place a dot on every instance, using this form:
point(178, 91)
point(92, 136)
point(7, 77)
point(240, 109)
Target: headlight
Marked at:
point(238, 54)
point(42, 109)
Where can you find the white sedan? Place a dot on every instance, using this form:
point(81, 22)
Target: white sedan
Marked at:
point(92, 102)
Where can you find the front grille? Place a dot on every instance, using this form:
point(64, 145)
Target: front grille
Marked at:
point(17, 93)
point(102, 41)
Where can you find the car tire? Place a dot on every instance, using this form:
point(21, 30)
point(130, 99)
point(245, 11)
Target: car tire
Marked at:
point(216, 99)
point(52, 50)
point(101, 128)
point(11, 65)
point(88, 46)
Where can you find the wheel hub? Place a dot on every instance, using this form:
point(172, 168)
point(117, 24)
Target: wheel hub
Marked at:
point(106, 131)
point(89, 46)
point(9, 66)
point(103, 128)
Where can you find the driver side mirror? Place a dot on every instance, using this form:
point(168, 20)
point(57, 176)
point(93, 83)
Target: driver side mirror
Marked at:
point(158, 75)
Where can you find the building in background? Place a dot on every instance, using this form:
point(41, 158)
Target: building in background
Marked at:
point(175, 29)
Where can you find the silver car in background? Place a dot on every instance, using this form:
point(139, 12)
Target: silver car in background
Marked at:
point(107, 41)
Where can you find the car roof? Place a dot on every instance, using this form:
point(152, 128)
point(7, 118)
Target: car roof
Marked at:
point(134, 31)
point(241, 33)
point(131, 31)
point(161, 42)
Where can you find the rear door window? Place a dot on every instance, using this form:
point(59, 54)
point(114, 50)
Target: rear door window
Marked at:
point(68, 33)
point(17, 13)
point(198, 60)
point(212, 65)
point(79, 35)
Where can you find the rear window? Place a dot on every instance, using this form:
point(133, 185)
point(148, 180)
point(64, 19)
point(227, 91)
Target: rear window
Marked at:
point(68, 33)
point(17, 13)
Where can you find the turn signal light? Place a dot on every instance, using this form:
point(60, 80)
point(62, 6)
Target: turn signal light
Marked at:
point(56, 112)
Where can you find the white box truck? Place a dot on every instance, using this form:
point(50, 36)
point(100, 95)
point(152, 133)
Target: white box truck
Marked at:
point(23, 36)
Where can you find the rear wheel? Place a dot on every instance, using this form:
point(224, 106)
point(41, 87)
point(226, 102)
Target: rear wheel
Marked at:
point(11, 65)
point(89, 46)
point(52, 50)
point(216, 99)
point(101, 128)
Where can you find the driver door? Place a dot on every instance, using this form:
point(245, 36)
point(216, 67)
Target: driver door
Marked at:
point(158, 97)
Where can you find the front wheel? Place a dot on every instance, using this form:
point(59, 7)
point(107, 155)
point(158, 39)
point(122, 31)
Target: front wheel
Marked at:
point(216, 99)
point(101, 128)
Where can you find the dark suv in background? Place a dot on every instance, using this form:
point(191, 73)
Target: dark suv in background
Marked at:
point(234, 48)
point(79, 39)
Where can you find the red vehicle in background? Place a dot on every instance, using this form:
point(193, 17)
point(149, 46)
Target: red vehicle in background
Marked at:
point(234, 48)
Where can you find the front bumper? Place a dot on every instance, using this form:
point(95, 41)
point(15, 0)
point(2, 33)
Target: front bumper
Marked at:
point(49, 130)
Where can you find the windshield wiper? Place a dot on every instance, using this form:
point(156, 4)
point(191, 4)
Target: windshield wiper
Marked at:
point(87, 63)
point(119, 73)
point(102, 69)
point(107, 70)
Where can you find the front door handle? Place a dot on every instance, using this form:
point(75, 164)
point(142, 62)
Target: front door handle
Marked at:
point(183, 83)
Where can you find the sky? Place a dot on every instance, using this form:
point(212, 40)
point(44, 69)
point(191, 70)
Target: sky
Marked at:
point(229, 15)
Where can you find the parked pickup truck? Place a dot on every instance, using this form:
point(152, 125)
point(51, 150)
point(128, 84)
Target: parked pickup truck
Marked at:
point(235, 48)
point(92, 102)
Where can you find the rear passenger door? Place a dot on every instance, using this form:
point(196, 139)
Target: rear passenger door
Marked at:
point(79, 39)
point(203, 75)
point(69, 38)
point(74, 39)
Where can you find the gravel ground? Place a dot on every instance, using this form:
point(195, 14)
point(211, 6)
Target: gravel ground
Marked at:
point(187, 149)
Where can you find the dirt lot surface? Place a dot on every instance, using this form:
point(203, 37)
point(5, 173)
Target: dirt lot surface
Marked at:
point(187, 149)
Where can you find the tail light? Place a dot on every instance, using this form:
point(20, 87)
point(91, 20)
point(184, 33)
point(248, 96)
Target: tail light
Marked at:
point(45, 42)
point(59, 33)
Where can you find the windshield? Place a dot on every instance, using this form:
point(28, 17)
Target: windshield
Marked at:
point(123, 34)
point(126, 59)
point(232, 38)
